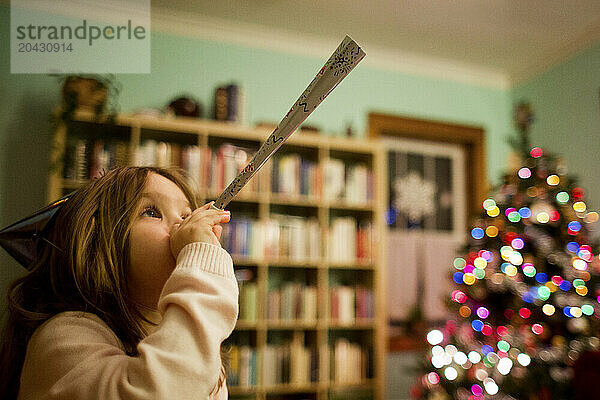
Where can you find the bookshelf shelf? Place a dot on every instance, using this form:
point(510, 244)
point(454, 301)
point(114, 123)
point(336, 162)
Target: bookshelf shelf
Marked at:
point(287, 263)
point(349, 206)
point(246, 325)
point(292, 239)
point(304, 201)
point(357, 324)
point(365, 265)
point(344, 387)
point(293, 324)
point(291, 389)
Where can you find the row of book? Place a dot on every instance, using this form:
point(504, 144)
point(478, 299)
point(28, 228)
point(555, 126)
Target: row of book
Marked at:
point(297, 302)
point(214, 168)
point(347, 303)
point(211, 168)
point(88, 159)
point(281, 236)
point(241, 370)
point(290, 362)
point(350, 362)
point(293, 301)
point(295, 175)
point(299, 239)
point(294, 363)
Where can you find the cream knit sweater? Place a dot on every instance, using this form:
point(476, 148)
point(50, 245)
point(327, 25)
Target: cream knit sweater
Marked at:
point(76, 356)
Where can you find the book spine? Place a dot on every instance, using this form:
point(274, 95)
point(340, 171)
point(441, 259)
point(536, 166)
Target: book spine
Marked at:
point(232, 103)
point(221, 105)
point(248, 300)
point(81, 160)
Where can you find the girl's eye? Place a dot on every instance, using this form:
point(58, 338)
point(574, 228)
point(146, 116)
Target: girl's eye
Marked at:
point(151, 212)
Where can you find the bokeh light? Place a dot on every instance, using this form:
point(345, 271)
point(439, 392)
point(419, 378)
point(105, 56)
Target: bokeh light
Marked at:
point(517, 243)
point(489, 203)
point(435, 337)
point(579, 206)
point(464, 311)
point(548, 309)
point(552, 180)
point(524, 212)
point(433, 378)
point(477, 233)
point(491, 231)
point(482, 312)
point(562, 197)
point(536, 152)
point(451, 373)
point(524, 173)
point(524, 359)
point(474, 357)
point(542, 217)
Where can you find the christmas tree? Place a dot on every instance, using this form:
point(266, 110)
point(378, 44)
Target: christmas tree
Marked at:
point(525, 306)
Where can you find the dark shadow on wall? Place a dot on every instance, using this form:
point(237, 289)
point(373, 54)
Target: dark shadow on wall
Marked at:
point(24, 162)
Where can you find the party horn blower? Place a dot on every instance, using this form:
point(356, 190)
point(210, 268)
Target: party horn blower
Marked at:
point(338, 66)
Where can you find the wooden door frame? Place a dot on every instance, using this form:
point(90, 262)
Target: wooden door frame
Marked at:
point(470, 138)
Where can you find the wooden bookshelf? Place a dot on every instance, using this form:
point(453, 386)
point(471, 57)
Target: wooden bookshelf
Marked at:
point(318, 335)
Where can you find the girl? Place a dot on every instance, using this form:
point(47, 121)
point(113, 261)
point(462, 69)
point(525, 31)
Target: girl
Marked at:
point(131, 299)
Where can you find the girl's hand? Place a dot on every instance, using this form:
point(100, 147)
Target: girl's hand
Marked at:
point(201, 226)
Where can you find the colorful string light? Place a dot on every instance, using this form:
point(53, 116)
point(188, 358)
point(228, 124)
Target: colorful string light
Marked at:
point(510, 267)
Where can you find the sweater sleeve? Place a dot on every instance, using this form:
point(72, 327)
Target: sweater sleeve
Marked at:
point(77, 356)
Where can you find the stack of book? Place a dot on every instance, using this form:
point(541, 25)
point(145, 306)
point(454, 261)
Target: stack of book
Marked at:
point(293, 301)
point(291, 363)
point(347, 303)
point(242, 366)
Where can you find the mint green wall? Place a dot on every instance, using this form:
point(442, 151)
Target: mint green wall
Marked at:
point(566, 103)
point(272, 81)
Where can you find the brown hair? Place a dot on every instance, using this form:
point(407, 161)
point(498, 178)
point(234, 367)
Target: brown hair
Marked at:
point(84, 269)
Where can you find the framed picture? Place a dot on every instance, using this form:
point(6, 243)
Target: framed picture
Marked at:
point(426, 187)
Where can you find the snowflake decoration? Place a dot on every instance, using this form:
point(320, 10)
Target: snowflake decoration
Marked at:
point(414, 196)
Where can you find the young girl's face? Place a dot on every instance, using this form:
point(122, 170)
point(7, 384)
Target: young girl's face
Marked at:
point(163, 205)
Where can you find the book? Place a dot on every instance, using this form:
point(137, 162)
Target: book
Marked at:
point(334, 178)
point(342, 240)
point(242, 366)
point(248, 301)
point(220, 104)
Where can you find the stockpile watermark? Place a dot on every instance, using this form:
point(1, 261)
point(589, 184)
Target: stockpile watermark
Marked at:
point(80, 36)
